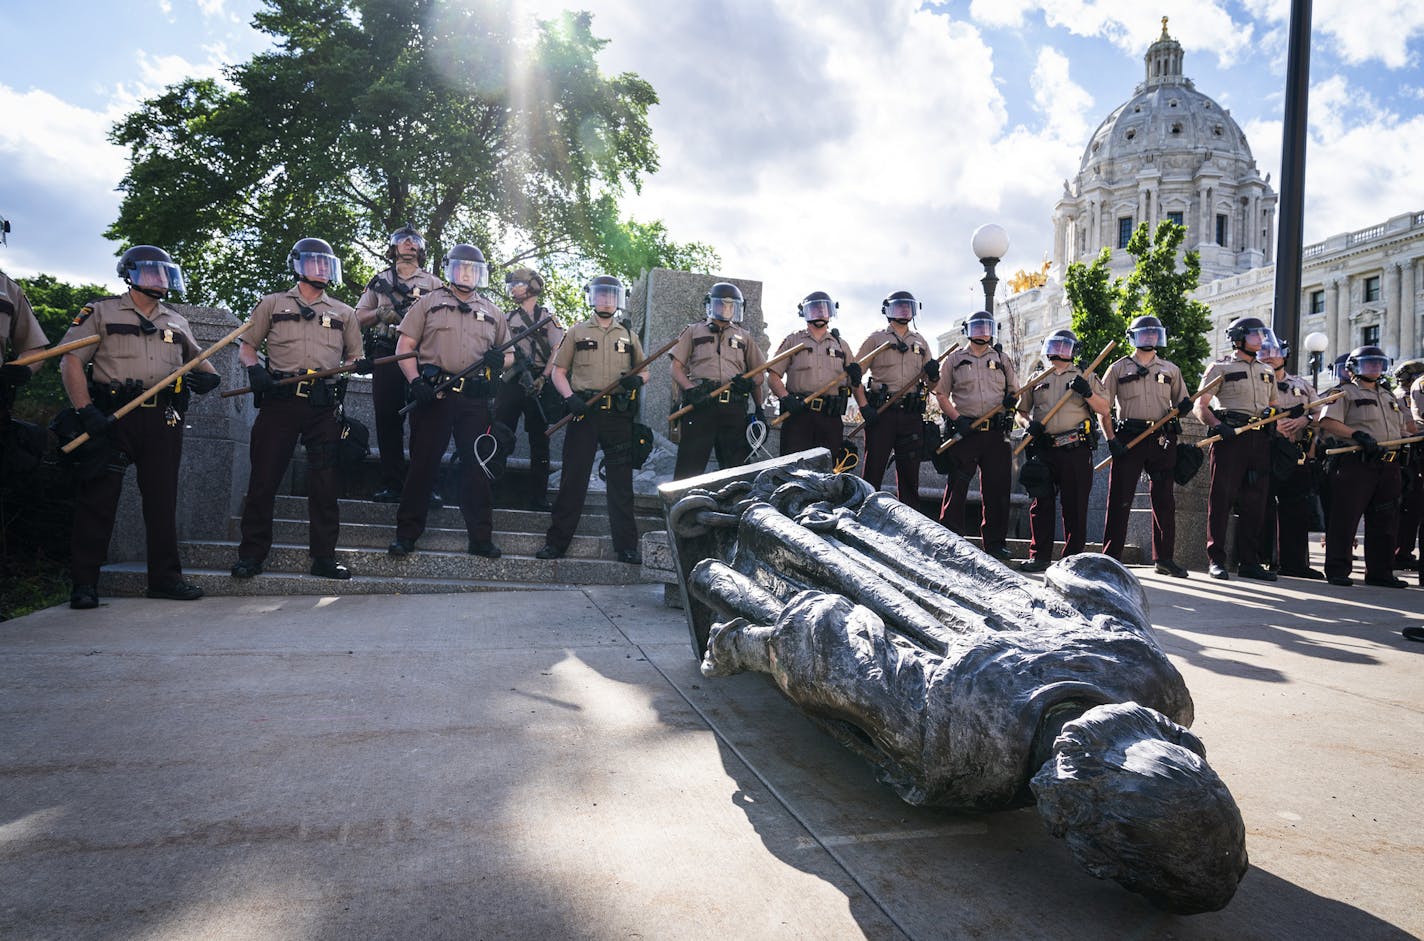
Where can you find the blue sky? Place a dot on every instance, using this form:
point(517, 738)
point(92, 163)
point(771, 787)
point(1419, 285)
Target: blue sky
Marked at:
point(819, 144)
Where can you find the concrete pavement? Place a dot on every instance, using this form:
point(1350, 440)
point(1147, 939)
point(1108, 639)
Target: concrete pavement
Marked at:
point(550, 764)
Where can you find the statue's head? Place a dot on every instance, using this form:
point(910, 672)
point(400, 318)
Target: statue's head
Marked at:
point(1131, 793)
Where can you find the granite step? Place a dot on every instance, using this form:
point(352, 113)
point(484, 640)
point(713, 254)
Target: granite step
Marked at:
point(131, 578)
point(381, 535)
point(594, 521)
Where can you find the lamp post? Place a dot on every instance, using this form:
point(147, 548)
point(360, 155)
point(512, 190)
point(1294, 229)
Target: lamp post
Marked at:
point(990, 244)
point(1315, 344)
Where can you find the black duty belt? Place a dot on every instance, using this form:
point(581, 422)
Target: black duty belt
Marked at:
point(111, 397)
point(620, 401)
point(1235, 418)
point(830, 404)
point(475, 385)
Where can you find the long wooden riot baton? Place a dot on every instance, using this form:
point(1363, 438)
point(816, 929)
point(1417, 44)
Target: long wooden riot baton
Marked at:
point(1063, 399)
point(324, 373)
point(39, 356)
point(746, 375)
point(776, 422)
point(166, 381)
point(1204, 390)
point(903, 391)
point(608, 389)
point(1392, 444)
point(479, 363)
point(1263, 422)
point(982, 424)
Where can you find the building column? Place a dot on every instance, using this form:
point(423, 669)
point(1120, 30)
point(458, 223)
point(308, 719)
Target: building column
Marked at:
point(1409, 346)
point(1389, 335)
point(1332, 319)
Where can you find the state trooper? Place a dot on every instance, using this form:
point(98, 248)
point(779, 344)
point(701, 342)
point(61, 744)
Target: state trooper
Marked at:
point(305, 330)
point(20, 332)
point(820, 423)
point(900, 428)
point(1366, 482)
point(1143, 387)
point(518, 393)
point(594, 354)
point(1240, 464)
point(452, 328)
point(976, 380)
point(1410, 391)
point(142, 339)
point(706, 356)
point(1064, 444)
point(387, 298)
point(1292, 485)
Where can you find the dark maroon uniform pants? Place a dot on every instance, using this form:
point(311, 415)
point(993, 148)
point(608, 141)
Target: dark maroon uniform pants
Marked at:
point(511, 403)
point(1287, 518)
point(989, 453)
point(156, 449)
point(466, 418)
point(1411, 514)
point(805, 430)
point(598, 428)
point(718, 425)
point(1072, 470)
point(902, 432)
point(1361, 487)
point(1157, 456)
point(280, 423)
point(1240, 474)
point(387, 399)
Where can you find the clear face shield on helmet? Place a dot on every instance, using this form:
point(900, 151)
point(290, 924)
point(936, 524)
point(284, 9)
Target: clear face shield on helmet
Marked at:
point(606, 299)
point(1371, 366)
point(1145, 337)
point(724, 309)
point(1271, 347)
point(980, 329)
point(823, 311)
point(407, 243)
point(466, 273)
point(901, 309)
point(317, 266)
point(1059, 347)
point(1258, 338)
point(156, 276)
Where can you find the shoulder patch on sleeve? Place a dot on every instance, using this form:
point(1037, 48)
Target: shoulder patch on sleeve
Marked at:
point(84, 313)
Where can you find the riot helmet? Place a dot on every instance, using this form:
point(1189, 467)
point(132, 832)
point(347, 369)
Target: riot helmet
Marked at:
point(606, 295)
point(723, 303)
point(1242, 329)
point(1406, 372)
point(817, 308)
point(1273, 347)
point(1368, 362)
point(1060, 345)
point(1147, 333)
point(406, 237)
point(150, 270)
point(465, 267)
point(900, 306)
point(531, 279)
point(980, 328)
point(314, 262)
point(1341, 368)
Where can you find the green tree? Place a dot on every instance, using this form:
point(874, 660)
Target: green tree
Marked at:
point(55, 303)
point(1093, 293)
point(1158, 288)
point(453, 115)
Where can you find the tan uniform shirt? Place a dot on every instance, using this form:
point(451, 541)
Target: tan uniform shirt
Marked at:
point(553, 334)
point(449, 337)
point(1143, 396)
point(1292, 391)
point(124, 352)
point(1370, 410)
point(892, 368)
point(1250, 385)
point(383, 302)
point(20, 329)
point(1038, 401)
point(976, 384)
point(296, 343)
point(596, 356)
point(716, 355)
point(1416, 403)
point(822, 360)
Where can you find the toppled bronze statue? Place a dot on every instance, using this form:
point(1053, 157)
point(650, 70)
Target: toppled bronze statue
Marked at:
point(965, 684)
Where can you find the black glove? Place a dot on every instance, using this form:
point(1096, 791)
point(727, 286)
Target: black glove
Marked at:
point(1036, 428)
point(631, 381)
point(1117, 446)
point(854, 373)
point(94, 421)
point(1183, 407)
point(696, 396)
point(493, 360)
point(260, 379)
point(14, 376)
point(1368, 444)
point(421, 391)
point(1224, 431)
point(932, 370)
point(869, 414)
point(792, 402)
point(576, 405)
point(1011, 402)
point(203, 382)
point(1081, 386)
point(363, 366)
point(741, 385)
point(1296, 411)
point(963, 425)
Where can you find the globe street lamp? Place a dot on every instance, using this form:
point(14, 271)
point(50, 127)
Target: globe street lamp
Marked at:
point(990, 244)
point(1315, 344)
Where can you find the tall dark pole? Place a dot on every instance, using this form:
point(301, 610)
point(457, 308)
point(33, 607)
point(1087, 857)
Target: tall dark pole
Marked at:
point(1292, 196)
point(990, 282)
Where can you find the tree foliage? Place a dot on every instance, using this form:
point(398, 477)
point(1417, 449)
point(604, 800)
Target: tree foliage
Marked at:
point(1093, 292)
point(458, 116)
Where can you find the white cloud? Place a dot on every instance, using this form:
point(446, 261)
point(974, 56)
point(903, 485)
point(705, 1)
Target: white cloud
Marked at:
point(1380, 30)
